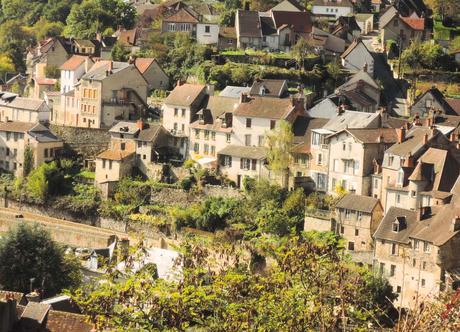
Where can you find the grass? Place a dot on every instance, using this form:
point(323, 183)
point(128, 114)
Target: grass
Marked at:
point(442, 32)
point(87, 174)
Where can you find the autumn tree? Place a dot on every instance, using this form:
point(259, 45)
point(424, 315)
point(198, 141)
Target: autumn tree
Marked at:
point(279, 143)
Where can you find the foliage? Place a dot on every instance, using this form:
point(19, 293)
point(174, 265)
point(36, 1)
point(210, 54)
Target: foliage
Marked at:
point(29, 252)
point(6, 65)
point(14, 39)
point(279, 142)
point(301, 50)
point(310, 287)
point(43, 181)
point(28, 161)
point(45, 29)
point(119, 53)
point(92, 16)
point(424, 55)
point(52, 71)
point(322, 201)
point(84, 200)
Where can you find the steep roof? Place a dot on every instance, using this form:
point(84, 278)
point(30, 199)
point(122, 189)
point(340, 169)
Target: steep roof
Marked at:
point(98, 71)
point(302, 128)
point(454, 103)
point(299, 21)
point(358, 203)
point(412, 142)
point(142, 64)
point(184, 95)
point(416, 23)
point(385, 229)
point(250, 152)
point(183, 16)
point(249, 24)
point(153, 133)
point(263, 107)
point(325, 109)
point(357, 42)
point(219, 105)
point(351, 119)
point(439, 97)
point(273, 87)
point(387, 16)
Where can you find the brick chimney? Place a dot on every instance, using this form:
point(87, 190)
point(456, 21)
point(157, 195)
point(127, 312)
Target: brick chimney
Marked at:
point(179, 83)
point(409, 161)
point(453, 137)
point(140, 124)
point(401, 133)
point(244, 98)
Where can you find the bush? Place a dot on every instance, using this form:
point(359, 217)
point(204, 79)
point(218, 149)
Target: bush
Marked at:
point(186, 183)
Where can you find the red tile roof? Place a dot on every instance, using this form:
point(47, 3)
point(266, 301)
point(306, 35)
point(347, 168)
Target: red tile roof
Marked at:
point(142, 64)
point(45, 81)
point(414, 23)
point(74, 62)
point(114, 155)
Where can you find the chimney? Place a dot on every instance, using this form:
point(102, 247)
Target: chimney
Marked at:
point(86, 64)
point(244, 98)
point(453, 137)
point(110, 67)
point(455, 224)
point(401, 132)
point(429, 122)
point(210, 89)
point(131, 60)
point(140, 124)
point(179, 83)
point(33, 297)
point(409, 161)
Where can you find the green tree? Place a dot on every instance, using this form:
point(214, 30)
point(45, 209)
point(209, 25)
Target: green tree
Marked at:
point(6, 65)
point(119, 53)
point(301, 50)
point(52, 71)
point(43, 181)
point(28, 161)
point(279, 142)
point(28, 252)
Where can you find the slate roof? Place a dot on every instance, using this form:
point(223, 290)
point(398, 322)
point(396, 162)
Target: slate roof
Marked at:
point(439, 97)
point(387, 16)
point(23, 103)
point(351, 119)
point(16, 126)
point(358, 203)
point(250, 152)
point(98, 71)
point(353, 45)
point(273, 87)
point(326, 108)
point(263, 107)
point(385, 230)
point(300, 22)
point(125, 127)
point(249, 24)
point(302, 128)
point(332, 43)
point(234, 91)
point(184, 95)
point(454, 103)
point(412, 142)
point(36, 311)
point(184, 15)
point(154, 133)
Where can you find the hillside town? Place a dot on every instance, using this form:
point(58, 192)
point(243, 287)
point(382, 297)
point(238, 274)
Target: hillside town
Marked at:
point(229, 165)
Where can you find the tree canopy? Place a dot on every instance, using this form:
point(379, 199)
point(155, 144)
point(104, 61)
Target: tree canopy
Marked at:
point(28, 252)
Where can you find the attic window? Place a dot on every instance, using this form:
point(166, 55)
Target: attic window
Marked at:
point(400, 177)
point(263, 91)
point(399, 224)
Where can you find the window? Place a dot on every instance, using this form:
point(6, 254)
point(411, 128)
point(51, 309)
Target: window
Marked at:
point(197, 133)
point(395, 23)
point(207, 29)
point(394, 249)
point(206, 135)
point(349, 146)
point(398, 289)
point(356, 232)
point(272, 124)
point(360, 215)
point(400, 177)
point(336, 166)
point(123, 146)
point(254, 164)
point(351, 246)
point(382, 268)
point(15, 166)
point(390, 160)
point(261, 140)
point(15, 137)
point(8, 136)
point(182, 128)
point(183, 112)
point(347, 214)
point(176, 112)
point(110, 164)
point(213, 150)
point(342, 230)
point(414, 262)
point(248, 122)
point(413, 193)
point(423, 282)
point(320, 159)
point(103, 163)
point(423, 265)
point(139, 144)
point(175, 126)
point(227, 161)
point(247, 140)
point(206, 149)
point(344, 146)
point(196, 148)
point(15, 152)
point(426, 247)
point(228, 138)
point(213, 135)
point(334, 183)
point(416, 245)
point(46, 153)
point(245, 164)
point(316, 139)
point(396, 226)
point(392, 270)
point(144, 156)
point(398, 198)
point(428, 103)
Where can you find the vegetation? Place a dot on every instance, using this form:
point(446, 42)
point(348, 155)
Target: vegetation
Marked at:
point(310, 286)
point(28, 252)
point(279, 142)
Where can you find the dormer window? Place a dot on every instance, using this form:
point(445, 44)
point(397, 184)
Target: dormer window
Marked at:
point(262, 91)
point(396, 226)
point(399, 224)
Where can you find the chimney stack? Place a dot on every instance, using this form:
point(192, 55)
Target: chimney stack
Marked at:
point(401, 132)
point(244, 98)
point(179, 83)
point(140, 124)
point(455, 224)
point(453, 137)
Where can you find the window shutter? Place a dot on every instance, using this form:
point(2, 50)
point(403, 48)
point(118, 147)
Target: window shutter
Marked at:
point(254, 164)
point(241, 163)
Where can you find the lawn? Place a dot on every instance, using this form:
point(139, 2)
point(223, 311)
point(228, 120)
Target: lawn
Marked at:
point(442, 32)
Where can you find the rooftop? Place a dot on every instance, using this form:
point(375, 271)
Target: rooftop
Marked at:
point(358, 203)
point(184, 95)
point(262, 107)
point(250, 152)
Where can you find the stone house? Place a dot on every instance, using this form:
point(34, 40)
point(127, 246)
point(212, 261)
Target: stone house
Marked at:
point(302, 156)
point(346, 28)
point(417, 249)
point(432, 100)
point(16, 136)
point(357, 56)
point(227, 38)
point(180, 109)
point(183, 20)
point(43, 85)
point(352, 152)
point(401, 29)
point(15, 108)
point(365, 22)
point(332, 9)
point(102, 97)
point(391, 179)
point(356, 220)
point(111, 166)
point(212, 131)
point(72, 70)
point(240, 162)
point(207, 33)
point(152, 72)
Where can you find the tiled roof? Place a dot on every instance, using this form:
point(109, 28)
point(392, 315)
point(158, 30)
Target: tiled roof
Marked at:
point(358, 203)
point(300, 22)
point(128, 37)
point(454, 103)
point(263, 107)
point(227, 32)
point(250, 152)
point(16, 126)
point(182, 16)
point(412, 142)
point(116, 155)
point(273, 88)
point(59, 321)
point(74, 62)
point(45, 81)
point(36, 312)
point(184, 95)
point(249, 24)
point(378, 135)
point(408, 219)
point(142, 64)
point(16, 295)
point(414, 23)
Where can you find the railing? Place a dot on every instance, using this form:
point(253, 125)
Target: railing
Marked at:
point(318, 213)
point(115, 101)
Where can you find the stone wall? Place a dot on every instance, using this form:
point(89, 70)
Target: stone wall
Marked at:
point(170, 196)
point(317, 224)
point(87, 142)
